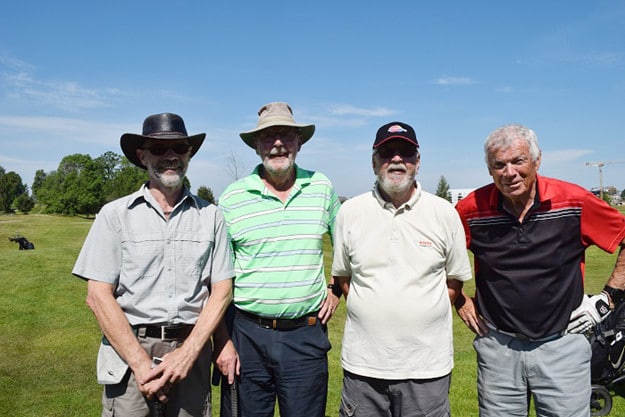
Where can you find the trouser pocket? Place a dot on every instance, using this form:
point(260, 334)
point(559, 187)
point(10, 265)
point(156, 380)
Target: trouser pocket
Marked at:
point(348, 407)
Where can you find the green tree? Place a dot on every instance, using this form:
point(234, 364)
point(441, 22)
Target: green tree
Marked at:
point(11, 187)
point(442, 190)
point(82, 185)
point(24, 203)
point(40, 177)
point(110, 164)
point(76, 187)
point(206, 194)
point(126, 179)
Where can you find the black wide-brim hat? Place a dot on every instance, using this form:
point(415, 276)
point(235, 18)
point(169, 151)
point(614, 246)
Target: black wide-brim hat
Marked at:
point(166, 126)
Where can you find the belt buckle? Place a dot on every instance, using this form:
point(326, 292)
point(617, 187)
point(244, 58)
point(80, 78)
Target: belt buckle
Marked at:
point(165, 332)
point(263, 324)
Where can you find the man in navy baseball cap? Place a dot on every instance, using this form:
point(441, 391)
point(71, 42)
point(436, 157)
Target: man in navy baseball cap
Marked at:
point(400, 254)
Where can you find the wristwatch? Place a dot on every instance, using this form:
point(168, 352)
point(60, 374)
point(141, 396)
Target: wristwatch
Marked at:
point(336, 289)
point(615, 294)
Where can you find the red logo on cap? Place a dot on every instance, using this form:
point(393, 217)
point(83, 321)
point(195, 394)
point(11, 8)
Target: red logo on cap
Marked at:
point(396, 129)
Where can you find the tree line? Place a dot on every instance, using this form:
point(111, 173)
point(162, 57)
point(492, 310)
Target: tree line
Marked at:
point(80, 185)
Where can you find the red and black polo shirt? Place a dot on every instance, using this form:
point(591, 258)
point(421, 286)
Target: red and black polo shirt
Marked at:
point(529, 275)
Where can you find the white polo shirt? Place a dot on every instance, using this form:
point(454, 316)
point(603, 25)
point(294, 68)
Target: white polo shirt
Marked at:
point(399, 317)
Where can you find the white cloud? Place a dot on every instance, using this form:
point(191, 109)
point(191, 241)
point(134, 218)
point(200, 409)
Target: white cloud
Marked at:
point(504, 89)
point(564, 156)
point(348, 109)
point(62, 128)
point(446, 80)
point(15, 64)
point(67, 95)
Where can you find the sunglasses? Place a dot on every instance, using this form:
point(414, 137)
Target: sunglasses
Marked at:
point(160, 150)
point(287, 135)
point(403, 151)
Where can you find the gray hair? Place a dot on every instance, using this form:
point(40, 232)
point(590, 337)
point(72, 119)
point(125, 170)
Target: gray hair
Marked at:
point(504, 136)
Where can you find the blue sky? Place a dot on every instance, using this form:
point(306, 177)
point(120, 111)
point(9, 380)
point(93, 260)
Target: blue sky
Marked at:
point(76, 75)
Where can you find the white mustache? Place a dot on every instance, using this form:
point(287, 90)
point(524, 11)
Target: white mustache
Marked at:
point(396, 167)
point(174, 167)
point(277, 152)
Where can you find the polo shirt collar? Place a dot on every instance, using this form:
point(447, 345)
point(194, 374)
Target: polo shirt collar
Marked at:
point(255, 183)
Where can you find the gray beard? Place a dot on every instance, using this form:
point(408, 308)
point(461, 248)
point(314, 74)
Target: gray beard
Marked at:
point(167, 181)
point(396, 188)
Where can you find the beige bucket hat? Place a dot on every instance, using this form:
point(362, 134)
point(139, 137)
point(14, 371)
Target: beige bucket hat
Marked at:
point(276, 114)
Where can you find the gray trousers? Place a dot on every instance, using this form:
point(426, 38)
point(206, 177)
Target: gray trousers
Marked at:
point(556, 373)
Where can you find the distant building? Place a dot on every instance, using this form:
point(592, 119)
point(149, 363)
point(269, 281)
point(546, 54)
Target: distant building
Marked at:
point(608, 189)
point(610, 192)
point(458, 194)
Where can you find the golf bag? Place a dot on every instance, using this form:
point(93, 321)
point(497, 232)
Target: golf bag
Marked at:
point(608, 347)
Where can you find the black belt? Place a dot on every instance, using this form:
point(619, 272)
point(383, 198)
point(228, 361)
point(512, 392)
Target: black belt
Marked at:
point(527, 339)
point(171, 332)
point(279, 324)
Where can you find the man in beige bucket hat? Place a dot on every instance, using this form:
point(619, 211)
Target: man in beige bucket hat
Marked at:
point(276, 218)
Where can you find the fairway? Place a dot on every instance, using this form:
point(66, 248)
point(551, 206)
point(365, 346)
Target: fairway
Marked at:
point(49, 338)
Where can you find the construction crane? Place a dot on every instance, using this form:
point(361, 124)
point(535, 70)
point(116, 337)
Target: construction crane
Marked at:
point(600, 165)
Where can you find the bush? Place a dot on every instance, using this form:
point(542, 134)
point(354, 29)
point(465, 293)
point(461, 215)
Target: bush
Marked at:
point(24, 203)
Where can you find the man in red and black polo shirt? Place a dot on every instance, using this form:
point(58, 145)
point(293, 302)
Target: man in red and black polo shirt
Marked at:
point(528, 235)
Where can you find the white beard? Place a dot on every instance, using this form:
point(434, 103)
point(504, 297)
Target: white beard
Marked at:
point(396, 187)
point(166, 179)
point(282, 168)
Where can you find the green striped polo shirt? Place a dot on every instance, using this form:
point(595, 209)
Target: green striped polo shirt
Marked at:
point(277, 246)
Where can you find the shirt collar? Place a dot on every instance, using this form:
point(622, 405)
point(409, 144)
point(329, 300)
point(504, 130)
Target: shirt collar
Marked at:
point(143, 195)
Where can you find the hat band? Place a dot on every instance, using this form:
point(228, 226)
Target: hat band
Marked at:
point(167, 134)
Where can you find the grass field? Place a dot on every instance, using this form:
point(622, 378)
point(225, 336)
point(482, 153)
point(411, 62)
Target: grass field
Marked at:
point(49, 339)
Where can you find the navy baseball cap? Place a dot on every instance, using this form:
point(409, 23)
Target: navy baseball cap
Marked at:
point(395, 130)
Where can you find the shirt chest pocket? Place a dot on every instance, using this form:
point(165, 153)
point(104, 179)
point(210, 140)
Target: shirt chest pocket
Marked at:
point(151, 254)
point(193, 250)
point(142, 256)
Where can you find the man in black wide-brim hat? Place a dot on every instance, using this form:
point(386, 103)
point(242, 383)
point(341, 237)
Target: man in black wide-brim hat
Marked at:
point(158, 269)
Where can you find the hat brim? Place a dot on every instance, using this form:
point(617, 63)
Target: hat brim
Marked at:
point(395, 137)
point(130, 142)
point(306, 132)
